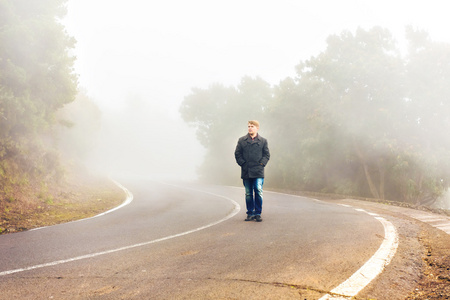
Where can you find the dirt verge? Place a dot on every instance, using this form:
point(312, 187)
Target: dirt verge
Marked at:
point(434, 283)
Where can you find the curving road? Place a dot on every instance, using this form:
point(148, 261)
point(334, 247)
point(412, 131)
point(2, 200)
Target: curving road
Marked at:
point(190, 242)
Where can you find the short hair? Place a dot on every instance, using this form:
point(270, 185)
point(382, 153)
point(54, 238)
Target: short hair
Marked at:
point(254, 122)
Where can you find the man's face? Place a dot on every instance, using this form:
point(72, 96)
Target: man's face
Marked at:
point(252, 129)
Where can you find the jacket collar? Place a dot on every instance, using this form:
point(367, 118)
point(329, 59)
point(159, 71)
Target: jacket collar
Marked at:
point(249, 138)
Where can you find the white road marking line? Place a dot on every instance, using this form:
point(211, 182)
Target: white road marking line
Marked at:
point(372, 268)
point(437, 221)
point(235, 210)
point(445, 228)
point(128, 200)
point(430, 219)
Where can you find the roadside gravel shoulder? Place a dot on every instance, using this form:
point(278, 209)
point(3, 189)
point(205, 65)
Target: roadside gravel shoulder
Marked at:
point(421, 267)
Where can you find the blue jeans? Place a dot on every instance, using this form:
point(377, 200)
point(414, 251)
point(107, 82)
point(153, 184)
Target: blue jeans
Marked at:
point(254, 195)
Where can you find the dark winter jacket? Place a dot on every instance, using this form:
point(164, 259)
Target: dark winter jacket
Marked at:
point(252, 156)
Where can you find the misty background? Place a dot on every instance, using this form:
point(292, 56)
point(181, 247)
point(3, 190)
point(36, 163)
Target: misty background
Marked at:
point(352, 95)
point(154, 52)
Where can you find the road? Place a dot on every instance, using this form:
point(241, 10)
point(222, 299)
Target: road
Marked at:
point(180, 241)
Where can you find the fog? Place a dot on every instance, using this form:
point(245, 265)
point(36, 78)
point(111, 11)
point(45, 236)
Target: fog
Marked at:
point(137, 60)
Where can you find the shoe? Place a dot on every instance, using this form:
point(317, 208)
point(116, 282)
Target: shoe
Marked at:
point(250, 218)
point(258, 218)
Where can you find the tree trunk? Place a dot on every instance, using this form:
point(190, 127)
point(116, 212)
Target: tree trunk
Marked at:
point(382, 170)
point(372, 186)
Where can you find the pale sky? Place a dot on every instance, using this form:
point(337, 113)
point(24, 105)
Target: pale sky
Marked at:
point(159, 50)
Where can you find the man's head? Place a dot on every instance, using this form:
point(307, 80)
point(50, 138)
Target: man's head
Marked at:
point(253, 127)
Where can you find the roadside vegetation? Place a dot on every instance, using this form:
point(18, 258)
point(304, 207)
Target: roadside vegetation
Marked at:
point(46, 124)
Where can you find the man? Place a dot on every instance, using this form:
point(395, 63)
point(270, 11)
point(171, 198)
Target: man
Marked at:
point(252, 154)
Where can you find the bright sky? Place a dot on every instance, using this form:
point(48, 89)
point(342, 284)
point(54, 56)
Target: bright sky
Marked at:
point(159, 50)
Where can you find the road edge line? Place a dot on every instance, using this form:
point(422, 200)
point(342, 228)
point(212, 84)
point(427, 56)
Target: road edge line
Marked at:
point(373, 267)
point(128, 200)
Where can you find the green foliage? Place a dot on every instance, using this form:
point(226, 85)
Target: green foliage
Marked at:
point(36, 80)
point(37, 77)
point(220, 115)
point(358, 119)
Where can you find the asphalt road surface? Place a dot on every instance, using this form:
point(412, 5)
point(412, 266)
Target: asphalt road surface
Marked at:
point(180, 241)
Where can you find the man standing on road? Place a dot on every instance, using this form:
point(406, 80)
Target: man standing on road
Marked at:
point(252, 154)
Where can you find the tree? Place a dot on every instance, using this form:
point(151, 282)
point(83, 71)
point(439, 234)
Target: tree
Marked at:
point(359, 111)
point(344, 102)
point(220, 115)
point(36, 80)
point(428, 74)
